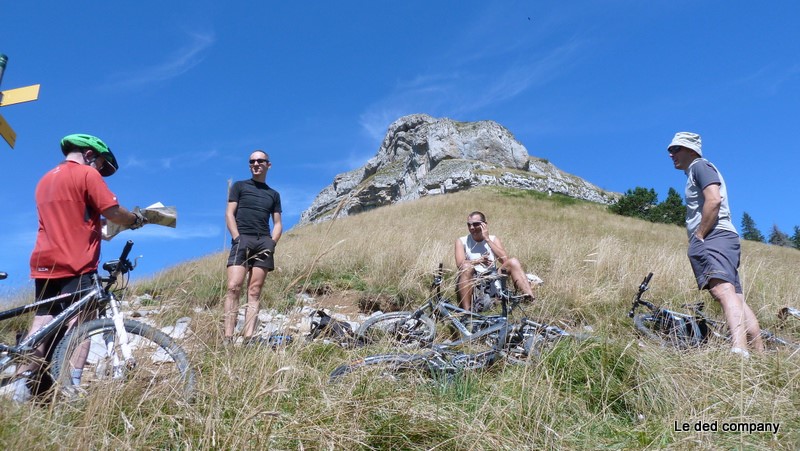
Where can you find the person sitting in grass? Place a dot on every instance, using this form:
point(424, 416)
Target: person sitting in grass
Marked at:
point(476, 253)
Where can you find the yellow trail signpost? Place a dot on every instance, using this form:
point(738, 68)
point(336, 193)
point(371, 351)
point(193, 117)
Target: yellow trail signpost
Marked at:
point(19, 95)
point(12, 97)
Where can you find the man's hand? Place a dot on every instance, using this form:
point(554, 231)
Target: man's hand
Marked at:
point(484, 260)
point(139, 221)
point(485, 231)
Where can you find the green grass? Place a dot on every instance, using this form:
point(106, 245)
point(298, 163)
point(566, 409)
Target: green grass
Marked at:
point(611, 392)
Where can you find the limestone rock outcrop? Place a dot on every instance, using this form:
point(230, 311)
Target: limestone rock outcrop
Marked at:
point(423, 156)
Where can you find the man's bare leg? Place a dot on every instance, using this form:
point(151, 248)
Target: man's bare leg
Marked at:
point(236, 275)
point(752, 326)
point(254, 286)
point(741, 320)
point(464, 286)
point(514, 268)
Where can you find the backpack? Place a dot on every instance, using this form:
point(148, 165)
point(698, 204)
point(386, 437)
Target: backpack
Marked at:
point(486, 291)
point(324, 326)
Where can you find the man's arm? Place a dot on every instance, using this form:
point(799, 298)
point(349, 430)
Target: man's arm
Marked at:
point(461, 257)
point(230, 219)
point(497, 249)
point(494, 244)
point(710, 214)
point(119, 215)
point(277, 226)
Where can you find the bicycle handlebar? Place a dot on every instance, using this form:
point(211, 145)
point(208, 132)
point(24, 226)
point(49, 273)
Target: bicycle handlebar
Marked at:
point(644, 286)
point(437, 278)
point(127, 250)
point(117, 267)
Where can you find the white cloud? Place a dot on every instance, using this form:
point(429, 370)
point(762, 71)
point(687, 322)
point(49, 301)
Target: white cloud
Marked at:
point(179, 63)
point(186, 159)
point(180, 233)
point(455, 93)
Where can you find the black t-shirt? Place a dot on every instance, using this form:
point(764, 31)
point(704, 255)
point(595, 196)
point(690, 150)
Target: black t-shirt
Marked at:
point(256, 202)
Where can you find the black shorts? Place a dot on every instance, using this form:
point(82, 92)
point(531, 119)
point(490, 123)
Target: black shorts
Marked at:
point(48, 288)
point(716, 257)
point(252, 250)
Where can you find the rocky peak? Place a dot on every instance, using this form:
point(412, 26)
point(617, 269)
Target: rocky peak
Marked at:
point(422, 156)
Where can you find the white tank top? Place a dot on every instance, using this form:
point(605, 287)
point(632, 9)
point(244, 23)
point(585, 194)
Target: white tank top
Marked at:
point(474, 250)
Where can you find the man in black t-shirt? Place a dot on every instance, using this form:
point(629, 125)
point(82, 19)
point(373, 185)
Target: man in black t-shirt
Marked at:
point(250, 205)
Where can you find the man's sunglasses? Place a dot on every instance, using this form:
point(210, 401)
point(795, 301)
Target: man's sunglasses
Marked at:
point(474, 224)
point(259, 161)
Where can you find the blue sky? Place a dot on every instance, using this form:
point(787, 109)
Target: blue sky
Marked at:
point(184, 91)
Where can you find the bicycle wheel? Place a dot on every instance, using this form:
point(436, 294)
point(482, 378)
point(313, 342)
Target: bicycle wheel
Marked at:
point(399, 327)
point(382, 366)
point(158, 366)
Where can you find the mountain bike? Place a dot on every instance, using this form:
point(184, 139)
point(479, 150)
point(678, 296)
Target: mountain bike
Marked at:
point(440, 362)
point(114, 349)
point(514, 342)
point(681, 330)
point(418, 328)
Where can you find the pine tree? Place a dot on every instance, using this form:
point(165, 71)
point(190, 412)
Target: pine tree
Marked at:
point(749, 229)
point(636, 203)
point(796, 237)
point(778, 238)
point(671, 211)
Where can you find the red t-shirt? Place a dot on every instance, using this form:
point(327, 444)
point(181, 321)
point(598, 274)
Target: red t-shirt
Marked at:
point(69, 200)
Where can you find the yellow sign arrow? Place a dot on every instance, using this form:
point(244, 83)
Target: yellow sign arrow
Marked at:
point(19, 95)
point(8, 133)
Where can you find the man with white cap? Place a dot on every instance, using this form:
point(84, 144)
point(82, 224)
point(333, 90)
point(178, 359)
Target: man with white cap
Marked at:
point(714, 245)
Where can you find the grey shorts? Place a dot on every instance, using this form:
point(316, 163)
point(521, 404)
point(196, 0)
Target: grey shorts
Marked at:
point(252, 250)
point(716, 258)
point(48, 288)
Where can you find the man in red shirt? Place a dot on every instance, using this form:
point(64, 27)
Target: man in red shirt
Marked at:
point(70, 200)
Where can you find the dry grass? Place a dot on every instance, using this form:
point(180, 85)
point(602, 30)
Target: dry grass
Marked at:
point(612, 392)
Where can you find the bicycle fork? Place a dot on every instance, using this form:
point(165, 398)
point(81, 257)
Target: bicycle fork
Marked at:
point(127, 362)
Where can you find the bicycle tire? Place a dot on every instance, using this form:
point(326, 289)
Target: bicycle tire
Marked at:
point(399, 327)
point(649, 328)
point(387, 365)
point(160, 366)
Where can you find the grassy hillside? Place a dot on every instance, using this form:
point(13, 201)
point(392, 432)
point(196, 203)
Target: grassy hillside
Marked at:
point(615, 391)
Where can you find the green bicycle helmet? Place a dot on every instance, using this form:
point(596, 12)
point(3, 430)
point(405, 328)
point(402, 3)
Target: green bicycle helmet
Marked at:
point(79, 141)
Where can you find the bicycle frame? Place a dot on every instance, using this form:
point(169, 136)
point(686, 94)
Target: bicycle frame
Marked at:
point(787, 312)
point(101, 296)
point(446, 311)
point(691, 329)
